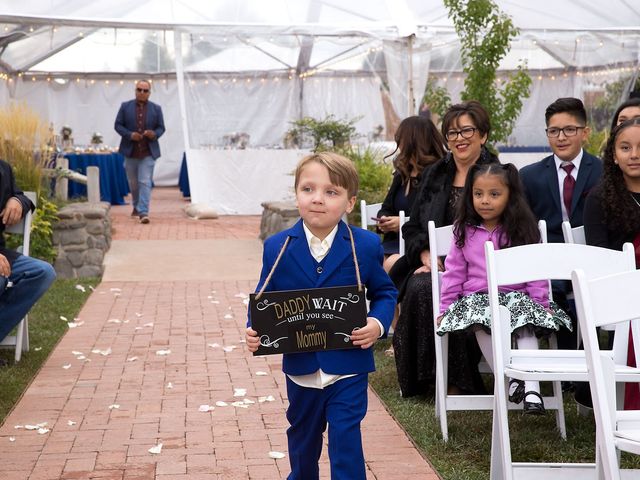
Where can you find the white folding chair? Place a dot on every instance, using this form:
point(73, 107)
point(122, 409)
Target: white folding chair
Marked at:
point(440, 242)
point(403, 220)
point(606, 301)
point(573, 235)
point(367, 212)
point(522, 264)
point(20, 341)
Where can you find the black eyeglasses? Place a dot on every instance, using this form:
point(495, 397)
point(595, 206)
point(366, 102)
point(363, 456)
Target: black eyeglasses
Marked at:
point(466, 132)
point(570, 131)
point(142, 90)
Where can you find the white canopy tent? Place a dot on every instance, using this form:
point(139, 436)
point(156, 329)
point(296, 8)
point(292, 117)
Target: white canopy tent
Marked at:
point(253, 66)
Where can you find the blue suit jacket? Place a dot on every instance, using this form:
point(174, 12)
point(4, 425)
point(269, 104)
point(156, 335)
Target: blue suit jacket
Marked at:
point(543, 192)
point(125, 125)
point(297, 270)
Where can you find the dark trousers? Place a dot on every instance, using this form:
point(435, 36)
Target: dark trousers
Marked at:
point(342, 405)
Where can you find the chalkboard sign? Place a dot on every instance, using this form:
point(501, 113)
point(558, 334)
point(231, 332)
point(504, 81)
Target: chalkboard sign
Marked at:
point(311, 320)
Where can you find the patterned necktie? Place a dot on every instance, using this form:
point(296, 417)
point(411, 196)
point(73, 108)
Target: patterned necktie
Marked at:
point(567, 187)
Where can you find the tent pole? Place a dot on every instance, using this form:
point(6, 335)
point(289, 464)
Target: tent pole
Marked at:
point(411, 101)
point(177, 35)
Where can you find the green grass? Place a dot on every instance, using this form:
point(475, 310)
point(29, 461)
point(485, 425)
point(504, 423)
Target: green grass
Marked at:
point(45, 330)
point(466, 456)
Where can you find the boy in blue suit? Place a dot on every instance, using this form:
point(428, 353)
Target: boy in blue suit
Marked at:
point(328, 386)
point(557, 186)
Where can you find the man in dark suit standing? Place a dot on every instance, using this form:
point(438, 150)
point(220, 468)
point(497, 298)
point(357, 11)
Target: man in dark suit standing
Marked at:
point(557, 186)
point(140, 124)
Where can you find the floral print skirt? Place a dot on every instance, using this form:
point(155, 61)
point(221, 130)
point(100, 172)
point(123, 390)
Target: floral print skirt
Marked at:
point(473, 311)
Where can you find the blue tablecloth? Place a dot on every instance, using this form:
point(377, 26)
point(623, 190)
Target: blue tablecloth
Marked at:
point(183, 180)
point(113, 178)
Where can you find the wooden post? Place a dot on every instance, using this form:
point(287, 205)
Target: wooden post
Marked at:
point(62, 183)
point(93, 184)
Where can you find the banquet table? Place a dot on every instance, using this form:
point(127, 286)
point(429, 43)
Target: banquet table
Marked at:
point(113, 178)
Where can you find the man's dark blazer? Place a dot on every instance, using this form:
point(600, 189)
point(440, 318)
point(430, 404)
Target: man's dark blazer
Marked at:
point(125, 125)
point(8, 189)
point(297, 269)
point(543, 192)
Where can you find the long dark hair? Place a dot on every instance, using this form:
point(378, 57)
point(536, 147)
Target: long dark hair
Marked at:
point(632, 102)
point(618, 207)
point(519, 226)
point(416, 138)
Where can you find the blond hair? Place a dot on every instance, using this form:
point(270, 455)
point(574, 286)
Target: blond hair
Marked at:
point(342, 171)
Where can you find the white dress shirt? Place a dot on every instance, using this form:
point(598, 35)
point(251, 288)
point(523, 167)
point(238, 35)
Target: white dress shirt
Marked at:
point(562, 175)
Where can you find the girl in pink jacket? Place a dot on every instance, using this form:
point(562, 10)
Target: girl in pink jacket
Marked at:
point(493, 208)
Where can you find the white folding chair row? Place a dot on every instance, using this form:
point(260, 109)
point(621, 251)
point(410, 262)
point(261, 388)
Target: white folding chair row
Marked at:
point(604, 301)
point(440, 240)
point(20, 341)
point(535, 262)
point(573, 234)
point(368, 213)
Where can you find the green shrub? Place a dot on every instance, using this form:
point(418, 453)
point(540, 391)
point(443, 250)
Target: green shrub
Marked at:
point(324, 134)
point(597, 140)
point(41, 244)
point(375, 177)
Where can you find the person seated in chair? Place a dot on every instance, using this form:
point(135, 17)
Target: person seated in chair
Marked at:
point(23, 280)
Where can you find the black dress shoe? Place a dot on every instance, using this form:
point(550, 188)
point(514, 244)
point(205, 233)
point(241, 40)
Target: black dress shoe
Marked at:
point(534, 408)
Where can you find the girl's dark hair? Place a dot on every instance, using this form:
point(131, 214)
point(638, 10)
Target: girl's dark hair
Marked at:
point(618, 207)
point(416, 137)
point(632, 102)
point(519, 226)
point(474, 109)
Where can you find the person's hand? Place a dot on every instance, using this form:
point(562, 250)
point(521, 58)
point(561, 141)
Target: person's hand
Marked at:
point(366, 336)
point(136, 137)
point(12, 212)
point(253, 342)
point(150, 134)
point(5, 267)
point(425, 258)
point(389, 224)
point(439, 320)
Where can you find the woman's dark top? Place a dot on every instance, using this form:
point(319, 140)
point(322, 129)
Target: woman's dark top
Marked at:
point(397, 199)
point(432, 203)
point(597, 232)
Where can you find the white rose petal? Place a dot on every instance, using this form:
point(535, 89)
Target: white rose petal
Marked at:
point(239, 392)
point(115, 406)
point(240, 405)
point(81, 288)
point(214, 345)
point(276, 455)
point(169, 385)
point(37, 349)
point(75, 324)
point(75, 352)
point(71, 423)
point(132, 359)
point(17, 427)
point(241, 295)
point(220, 403)
point(245, 301)
point(150, 324)
point(67, 366)
point(228, 315)
point(230, 348)
point(113, 320)
point(138, 328)
point(12, 439)
point(138, 314)
point(268, 398)
point(163, 352)
point(43, 430)
point(63, 318)
point(114, 289)
point(216, 302)
point(125, 321)
point(92, 289)
point(80, 357)
point(156, 450)
point(102, 352)
point(205, 408)
point(248, 401)
point(261, 374)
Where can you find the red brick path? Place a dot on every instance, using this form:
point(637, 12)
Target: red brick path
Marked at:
point(159, 395)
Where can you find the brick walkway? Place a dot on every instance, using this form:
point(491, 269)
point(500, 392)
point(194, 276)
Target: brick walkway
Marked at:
point(121, 396)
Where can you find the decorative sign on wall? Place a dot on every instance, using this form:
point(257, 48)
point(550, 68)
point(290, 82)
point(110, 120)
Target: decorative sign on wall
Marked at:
point(307, 320)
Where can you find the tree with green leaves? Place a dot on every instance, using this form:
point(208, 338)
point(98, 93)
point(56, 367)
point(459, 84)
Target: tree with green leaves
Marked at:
point(485, 34)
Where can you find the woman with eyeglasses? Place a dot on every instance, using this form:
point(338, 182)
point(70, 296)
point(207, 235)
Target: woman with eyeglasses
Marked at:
point(466, 128)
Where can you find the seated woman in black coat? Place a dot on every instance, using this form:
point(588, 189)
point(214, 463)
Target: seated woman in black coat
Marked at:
point(466, 128)
point(418, 144)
